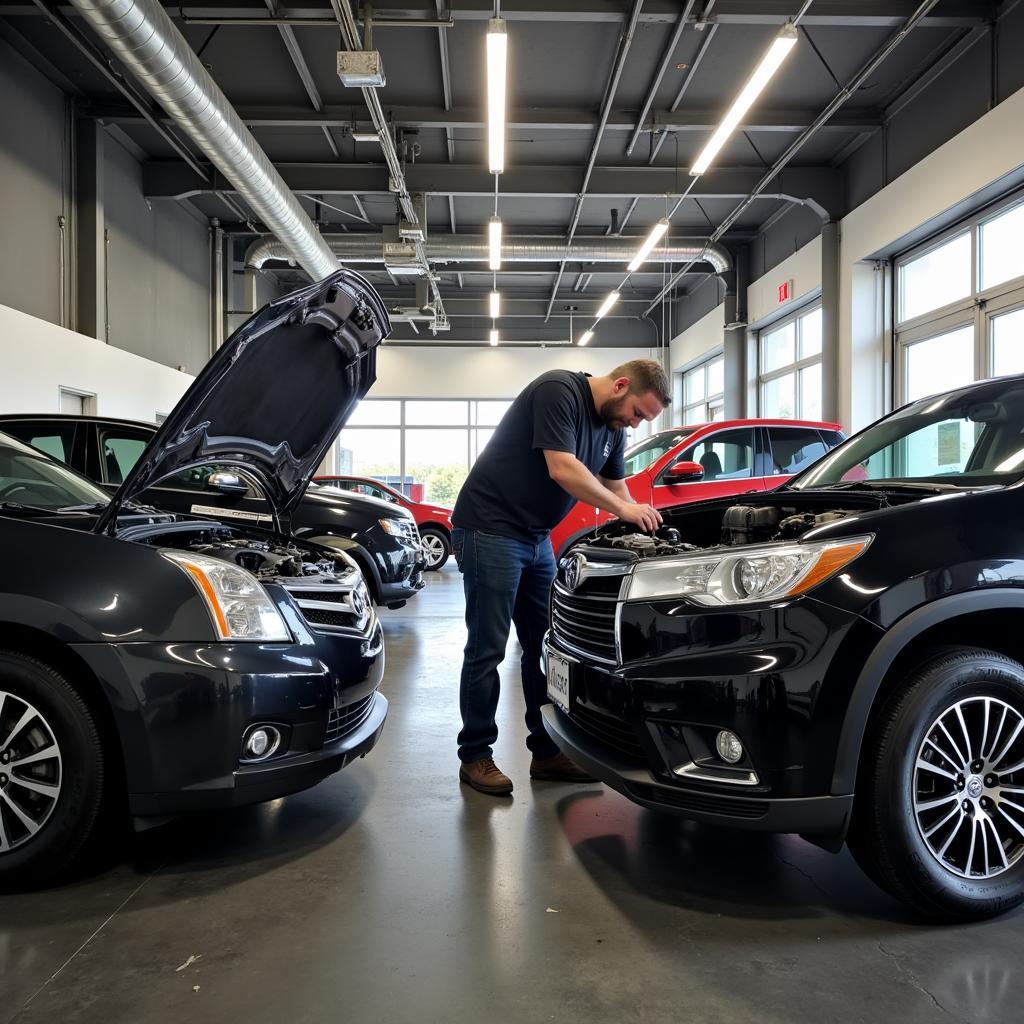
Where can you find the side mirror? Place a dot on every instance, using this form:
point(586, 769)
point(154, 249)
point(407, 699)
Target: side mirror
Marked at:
point(226, 483)
point(682, 472)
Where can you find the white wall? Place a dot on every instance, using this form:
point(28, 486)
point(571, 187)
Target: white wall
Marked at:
point(698, 339)
point(803, 268)
point(983, 153)
point(405, 371)
point(39, 358)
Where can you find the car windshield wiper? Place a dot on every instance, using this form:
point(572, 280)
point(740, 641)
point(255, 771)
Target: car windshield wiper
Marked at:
point(18, 509)
point(92, 506)
point(886, 485)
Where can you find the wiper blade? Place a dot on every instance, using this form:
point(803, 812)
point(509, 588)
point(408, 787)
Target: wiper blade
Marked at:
point(887, 485)
point(17, 507)
point(89, 507)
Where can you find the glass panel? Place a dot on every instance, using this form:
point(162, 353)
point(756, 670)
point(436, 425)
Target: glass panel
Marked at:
point(939, 364)
point(936, 278)
point(488, 414)
point(778, 397)
point(438, 459)
point(716, 377)
point(29, 478)
point(53, 438)
point(648, 451)
point(810, 392)
point(437, 414)
point(120, 451)
point(370, 453)
point(694, 385)
point(375, 412)
point(778, 348)
point(794, 449)
point(725, 456)
point(1002, 255)
point(1007, 343)
point(810, 334)
point(480, 439)
point(716, 412)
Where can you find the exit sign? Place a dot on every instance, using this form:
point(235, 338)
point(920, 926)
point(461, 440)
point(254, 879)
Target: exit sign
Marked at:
point(786, 290)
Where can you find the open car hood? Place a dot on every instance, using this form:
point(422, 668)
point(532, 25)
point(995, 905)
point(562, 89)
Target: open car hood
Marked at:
point(274, 397)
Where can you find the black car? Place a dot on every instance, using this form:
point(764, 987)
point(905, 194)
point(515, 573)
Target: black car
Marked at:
point(187, 662)
point(381, 537)
point(839, 658)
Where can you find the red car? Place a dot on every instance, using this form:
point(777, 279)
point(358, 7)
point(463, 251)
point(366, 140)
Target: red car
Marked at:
point(434, 521)
point(709, 460)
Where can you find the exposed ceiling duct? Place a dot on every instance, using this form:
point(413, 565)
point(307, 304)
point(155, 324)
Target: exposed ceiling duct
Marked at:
point(351, 248)
point(143, 37)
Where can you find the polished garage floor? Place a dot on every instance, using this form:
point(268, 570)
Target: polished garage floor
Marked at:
point(391, 894)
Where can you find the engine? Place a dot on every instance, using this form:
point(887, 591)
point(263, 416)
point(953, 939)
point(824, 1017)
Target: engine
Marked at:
point(266, 559)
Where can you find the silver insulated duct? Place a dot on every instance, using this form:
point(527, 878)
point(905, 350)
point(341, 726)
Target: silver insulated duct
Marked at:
point(144, 38)
point(352, 248)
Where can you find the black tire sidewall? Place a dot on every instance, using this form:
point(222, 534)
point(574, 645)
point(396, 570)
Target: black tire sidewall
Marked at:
point(82, 770)
point(430, 531)
point(939, 687)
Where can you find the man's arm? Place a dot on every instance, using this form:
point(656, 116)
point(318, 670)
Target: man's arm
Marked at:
point(571, 475)
point(617, 487)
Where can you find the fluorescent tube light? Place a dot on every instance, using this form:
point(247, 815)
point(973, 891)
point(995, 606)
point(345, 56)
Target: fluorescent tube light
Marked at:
point(494, 241)
point(494, 337)
point(365, 137)
point(585, 337)
point(495, 305)
point(497, 64)
point(770, 63)
point(610, 299)
point(652, 239)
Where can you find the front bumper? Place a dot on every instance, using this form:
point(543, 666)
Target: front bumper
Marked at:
point(820, 816)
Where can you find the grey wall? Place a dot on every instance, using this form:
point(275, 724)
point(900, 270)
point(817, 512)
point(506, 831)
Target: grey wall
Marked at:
point(34, 171)
point(158, 267)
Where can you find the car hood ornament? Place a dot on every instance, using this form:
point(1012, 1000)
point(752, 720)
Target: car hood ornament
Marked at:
point(575, 570)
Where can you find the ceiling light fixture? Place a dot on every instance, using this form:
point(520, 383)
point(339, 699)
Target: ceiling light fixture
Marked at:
point(655, 235)
point(495, 305)
point(770, 63)
point(494, 242)
point(585, 337)
point(365, 137)
point(494, 337)
point(497, 63)
point(610, 299)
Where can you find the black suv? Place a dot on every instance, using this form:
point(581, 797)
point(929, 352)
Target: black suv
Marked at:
point(381, 537)
point(181, 661)
point(840, 658)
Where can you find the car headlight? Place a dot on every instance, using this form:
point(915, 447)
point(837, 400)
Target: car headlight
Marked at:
point(765, 573)
point(239, 606)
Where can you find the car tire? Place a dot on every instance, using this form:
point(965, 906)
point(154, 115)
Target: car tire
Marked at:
point(437, 545)
point(43, 830)
point(935, 823)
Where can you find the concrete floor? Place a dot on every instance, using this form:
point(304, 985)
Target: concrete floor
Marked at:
point(390, 894)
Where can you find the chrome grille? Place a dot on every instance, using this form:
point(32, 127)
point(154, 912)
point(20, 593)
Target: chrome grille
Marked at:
point(347, 719)
point(584, 623)
point(334, 609)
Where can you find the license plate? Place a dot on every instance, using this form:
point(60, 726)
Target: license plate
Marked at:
point(558, 680)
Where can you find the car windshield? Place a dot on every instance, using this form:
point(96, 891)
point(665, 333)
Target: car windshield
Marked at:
point(647, 452)
point(973, 437)
point(29, 478)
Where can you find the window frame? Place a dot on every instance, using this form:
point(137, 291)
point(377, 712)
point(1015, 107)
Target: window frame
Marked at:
point(709, 401)
point(796, 318)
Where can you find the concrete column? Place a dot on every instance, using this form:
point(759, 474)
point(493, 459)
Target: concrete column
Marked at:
point(830, 385)
point(91, 248)
point(734, 343)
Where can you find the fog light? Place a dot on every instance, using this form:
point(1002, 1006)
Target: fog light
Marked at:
point(260, 742)
point(729, 747)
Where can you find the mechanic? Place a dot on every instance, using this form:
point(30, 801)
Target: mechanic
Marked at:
point(561, 441)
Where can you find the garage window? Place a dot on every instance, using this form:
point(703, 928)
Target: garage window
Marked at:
point(413, 443)
point(960, 305)
point(789, 379)
point(702, 392)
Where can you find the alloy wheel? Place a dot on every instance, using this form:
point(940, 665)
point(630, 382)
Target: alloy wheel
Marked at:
point(31, 773)
point(433, 547)
point(969, 787)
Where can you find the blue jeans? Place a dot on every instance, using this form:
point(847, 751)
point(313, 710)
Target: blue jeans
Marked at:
point(505, 581)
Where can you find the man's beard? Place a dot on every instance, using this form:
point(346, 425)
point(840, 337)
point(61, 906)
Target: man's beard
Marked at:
point(612, 413)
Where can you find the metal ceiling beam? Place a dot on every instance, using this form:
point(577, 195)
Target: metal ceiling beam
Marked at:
point(526, 119)
point(844, 13)
point(446, 83)
point(818, 185)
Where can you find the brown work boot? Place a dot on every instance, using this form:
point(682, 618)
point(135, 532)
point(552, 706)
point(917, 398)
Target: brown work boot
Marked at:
point(486, 777)
point(558, 769)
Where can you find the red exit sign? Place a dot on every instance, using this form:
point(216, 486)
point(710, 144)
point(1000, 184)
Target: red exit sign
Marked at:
point(786, 290)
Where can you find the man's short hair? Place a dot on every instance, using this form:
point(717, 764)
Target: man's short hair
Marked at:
point(645, 375)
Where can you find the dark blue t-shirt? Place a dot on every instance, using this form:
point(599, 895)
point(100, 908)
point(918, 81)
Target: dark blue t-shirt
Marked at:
point(508, 490)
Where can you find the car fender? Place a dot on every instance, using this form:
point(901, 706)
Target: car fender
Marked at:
point(881, 659)
point(355, 550)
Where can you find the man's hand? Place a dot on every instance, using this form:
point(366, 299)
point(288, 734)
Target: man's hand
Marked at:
point(647, 517)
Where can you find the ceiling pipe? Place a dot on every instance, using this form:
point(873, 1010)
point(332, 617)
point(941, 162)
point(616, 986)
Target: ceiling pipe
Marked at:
point(364, 248)
point(144, 38)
